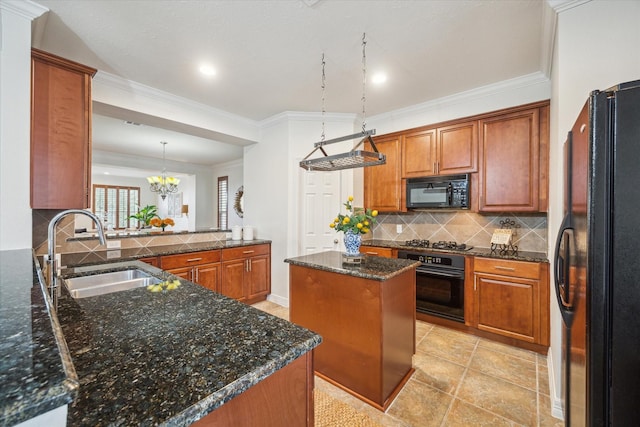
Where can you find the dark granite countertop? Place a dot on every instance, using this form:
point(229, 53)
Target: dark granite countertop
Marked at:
point(141, 358)
point(112, 255)
point(36, 374)
point(479, 252)
point(110, 234)
point(372, 267)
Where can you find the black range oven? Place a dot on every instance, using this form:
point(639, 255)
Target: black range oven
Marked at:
point(439, 284)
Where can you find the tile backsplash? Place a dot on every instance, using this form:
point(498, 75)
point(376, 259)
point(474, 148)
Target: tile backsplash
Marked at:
point(530, 232)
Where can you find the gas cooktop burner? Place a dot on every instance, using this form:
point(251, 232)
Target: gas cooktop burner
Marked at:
point(417, 243)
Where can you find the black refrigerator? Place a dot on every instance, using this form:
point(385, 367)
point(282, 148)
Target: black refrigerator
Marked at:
point(597, 262)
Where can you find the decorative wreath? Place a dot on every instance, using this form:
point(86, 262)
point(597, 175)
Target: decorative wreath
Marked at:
point(237, 205)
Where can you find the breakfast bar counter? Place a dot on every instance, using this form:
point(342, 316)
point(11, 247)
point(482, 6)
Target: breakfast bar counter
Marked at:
point(366, 316)
point(177, 357)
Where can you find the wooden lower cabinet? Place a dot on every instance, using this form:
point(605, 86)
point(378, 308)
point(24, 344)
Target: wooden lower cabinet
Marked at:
point(379, 251)
point(246, 273)
point(284, 398)
point(202, 268)
point(510, 298)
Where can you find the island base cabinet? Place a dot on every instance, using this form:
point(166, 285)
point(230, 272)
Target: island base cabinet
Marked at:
point(367, 328)
point(285, 398)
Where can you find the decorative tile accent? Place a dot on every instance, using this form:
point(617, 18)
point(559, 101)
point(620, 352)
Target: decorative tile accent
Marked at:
point(463, 227)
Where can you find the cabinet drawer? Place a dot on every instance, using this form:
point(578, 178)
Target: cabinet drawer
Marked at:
point(530, 270)
point(378, 251)
point(192, 258)
point(244, 252)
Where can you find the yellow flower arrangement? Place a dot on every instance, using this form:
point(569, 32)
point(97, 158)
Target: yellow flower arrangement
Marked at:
point(359, 221)
point(162, 223)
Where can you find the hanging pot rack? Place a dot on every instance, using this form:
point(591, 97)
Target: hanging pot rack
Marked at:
point(354, 158)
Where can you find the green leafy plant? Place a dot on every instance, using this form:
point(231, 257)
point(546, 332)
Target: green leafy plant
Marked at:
point(145, 215)
point(359, 221)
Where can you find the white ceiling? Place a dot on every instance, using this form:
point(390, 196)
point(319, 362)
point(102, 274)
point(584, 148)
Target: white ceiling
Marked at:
point(268, 55)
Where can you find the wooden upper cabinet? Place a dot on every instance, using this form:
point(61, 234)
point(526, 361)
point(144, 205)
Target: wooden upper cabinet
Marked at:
point(60, 132)
point(514, 162)
point(419, 154)
point(382, 183)
point(443, 151)
point(457, 149)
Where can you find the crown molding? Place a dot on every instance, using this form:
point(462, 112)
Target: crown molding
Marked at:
point(563, 5)
point(116, 82)
point(549, 25)
point(26, 9)
point(307, 116)
point(533, 79)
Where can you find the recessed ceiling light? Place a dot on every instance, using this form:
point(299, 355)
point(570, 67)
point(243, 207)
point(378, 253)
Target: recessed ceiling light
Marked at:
point(378, 78)
point(107, 173)
point(207, 70)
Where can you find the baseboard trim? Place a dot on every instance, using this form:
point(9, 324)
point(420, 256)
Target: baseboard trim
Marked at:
point(556, 402)
point(278, 300)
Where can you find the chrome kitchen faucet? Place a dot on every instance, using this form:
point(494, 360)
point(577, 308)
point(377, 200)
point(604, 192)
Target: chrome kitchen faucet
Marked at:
point(52, 280)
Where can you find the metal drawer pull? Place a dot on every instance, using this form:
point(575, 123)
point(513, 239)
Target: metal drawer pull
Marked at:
point(194, 259)
point(498, 267)
point(248, 252)
point(371, 253)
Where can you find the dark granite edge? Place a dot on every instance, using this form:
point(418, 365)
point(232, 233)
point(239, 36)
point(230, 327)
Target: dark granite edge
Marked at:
point(56, 395)
point(476, 251)
point(224, 395)
point(355, 270)
point(179, 248)
point(134, 234)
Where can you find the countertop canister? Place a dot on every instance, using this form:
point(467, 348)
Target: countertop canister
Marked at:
point(247, 233)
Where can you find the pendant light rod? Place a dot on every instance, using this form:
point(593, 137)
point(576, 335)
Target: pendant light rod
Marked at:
point(354, 158)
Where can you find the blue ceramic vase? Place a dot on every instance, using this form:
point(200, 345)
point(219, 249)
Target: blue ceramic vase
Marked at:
point(352, 243)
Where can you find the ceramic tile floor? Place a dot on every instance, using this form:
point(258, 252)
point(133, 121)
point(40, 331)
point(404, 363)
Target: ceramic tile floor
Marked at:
point(460, 380)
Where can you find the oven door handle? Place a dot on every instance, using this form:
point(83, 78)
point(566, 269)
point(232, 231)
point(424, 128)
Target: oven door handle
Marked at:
point(435, 272)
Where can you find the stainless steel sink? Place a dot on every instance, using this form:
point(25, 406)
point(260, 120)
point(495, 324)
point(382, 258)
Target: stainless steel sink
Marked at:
point(106, 283)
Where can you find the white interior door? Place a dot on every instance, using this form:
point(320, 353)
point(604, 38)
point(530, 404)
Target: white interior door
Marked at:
point(321, 201)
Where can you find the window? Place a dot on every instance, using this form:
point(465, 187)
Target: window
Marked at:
point(114, 205)
point(223, 202)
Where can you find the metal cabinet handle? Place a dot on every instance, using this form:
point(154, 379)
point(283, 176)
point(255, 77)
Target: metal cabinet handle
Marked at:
point(248, 252)
point(249, 265)
point(499, 267)
point(194, 259)
point(371, 253)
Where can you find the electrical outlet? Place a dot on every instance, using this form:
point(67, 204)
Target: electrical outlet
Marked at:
point(398, 228)
point(113, 244)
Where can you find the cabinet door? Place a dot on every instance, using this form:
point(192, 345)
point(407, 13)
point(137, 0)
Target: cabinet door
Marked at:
point(457, 149)
point(232, 283)
point(183, 272)
point(258, 277)
point(208, 276)
point(507, 306)
point(509, 177)
point(382, 184)
point(419, 154)
point(60, 132)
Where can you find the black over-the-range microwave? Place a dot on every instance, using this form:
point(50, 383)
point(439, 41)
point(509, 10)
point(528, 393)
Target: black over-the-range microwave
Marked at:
point(438, 192)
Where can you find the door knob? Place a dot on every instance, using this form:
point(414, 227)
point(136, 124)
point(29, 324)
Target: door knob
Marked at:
point(335, 241)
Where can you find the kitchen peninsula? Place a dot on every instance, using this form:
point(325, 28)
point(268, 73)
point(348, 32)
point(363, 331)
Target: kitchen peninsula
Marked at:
point(366, 316)
point(138, 357)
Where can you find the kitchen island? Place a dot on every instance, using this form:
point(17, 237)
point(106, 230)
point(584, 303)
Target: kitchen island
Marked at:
point(174, 358)
point(366, 316)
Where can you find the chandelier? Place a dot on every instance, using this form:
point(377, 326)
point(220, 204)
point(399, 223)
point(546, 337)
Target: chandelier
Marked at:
point(163, 184)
